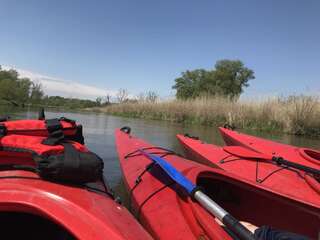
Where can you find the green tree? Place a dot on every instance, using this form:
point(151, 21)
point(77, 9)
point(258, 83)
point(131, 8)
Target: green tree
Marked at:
point(14, 89)
point(36, 93)
point(22, 92)
point(227, 79)
point(232, 77)
point(7, 89)
point(190, 83)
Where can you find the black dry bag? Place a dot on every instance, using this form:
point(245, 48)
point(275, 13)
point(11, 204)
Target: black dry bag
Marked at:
point(72, 166)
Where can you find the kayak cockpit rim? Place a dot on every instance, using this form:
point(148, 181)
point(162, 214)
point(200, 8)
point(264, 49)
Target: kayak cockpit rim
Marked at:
point(259, 206)
point(310, 155)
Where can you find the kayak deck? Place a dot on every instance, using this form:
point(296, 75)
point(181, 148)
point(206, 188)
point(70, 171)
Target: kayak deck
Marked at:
point(64, 210)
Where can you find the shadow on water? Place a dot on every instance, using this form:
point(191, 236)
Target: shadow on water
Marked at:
point(99, 135)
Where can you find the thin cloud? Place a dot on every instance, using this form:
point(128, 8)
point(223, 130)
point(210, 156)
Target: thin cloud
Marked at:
point(57, 87)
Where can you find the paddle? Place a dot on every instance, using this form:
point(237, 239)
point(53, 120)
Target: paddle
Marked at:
point(247, 153)
point(195, 192)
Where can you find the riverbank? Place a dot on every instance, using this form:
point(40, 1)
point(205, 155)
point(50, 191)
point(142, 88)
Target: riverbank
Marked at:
point(297, 115)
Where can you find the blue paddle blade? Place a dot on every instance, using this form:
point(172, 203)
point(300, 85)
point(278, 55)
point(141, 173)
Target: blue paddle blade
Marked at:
point(173, 173)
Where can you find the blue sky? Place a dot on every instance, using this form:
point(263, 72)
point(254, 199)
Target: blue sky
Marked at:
point(144, 44)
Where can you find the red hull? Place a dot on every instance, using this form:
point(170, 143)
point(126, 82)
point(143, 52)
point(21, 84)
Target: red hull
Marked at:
point(167, 213)
point(83, 213)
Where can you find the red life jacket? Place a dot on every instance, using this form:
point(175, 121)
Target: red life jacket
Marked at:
point(21, 149)
point(52, 148)
point(37, 127)
point(54, 129)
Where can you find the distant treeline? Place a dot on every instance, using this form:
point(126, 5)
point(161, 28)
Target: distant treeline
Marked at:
point(23, 92)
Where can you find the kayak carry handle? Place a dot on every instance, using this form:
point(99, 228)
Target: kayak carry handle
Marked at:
point(190, 136)
point(281, 161)
point(126, 129)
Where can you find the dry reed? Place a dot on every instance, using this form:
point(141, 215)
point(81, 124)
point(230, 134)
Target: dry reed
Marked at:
point(296, 114)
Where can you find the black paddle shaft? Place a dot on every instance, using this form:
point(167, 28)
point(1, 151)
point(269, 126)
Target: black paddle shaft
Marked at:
point(238, 229)
point(281, 161)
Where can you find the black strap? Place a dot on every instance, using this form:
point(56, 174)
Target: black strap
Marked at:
point(78, 136)
point(73, 122)
point(54, 128)
point(71, 159)
point(53, 124)
point(3, 130)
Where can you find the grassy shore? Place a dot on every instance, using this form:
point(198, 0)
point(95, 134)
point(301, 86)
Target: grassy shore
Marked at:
point(298, 115)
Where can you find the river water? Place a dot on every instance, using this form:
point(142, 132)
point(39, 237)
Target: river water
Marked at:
point(99, 135)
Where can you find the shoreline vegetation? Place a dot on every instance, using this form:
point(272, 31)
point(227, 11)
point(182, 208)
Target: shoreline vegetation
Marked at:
point(22, 92)
point(204, 97)
point(211, 97)
point(298, 115)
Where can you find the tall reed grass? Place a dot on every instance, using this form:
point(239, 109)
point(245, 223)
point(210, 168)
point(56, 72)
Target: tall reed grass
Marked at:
point(298, 115)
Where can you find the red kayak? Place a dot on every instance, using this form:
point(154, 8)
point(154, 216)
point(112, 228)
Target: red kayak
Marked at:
point(304, 156)
point(293, 183)
point(32, 208)
point(167, 212)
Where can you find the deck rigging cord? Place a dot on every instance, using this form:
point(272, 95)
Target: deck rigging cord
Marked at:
point(197, 194)
point(257, 178)
point(163, 153)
